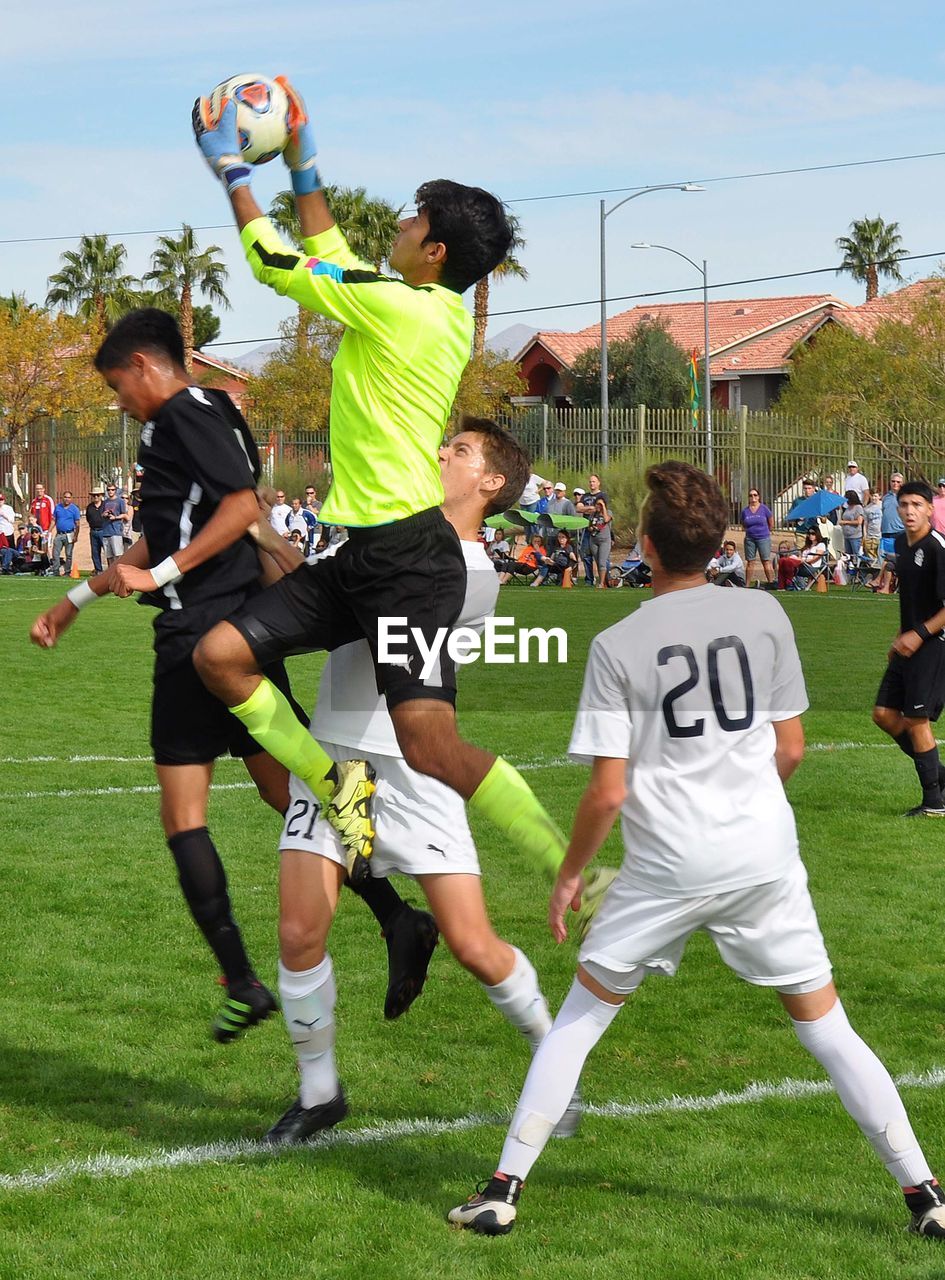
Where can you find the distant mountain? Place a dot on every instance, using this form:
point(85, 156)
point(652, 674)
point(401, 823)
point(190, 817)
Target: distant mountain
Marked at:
point(511, 340)
point(254, 359)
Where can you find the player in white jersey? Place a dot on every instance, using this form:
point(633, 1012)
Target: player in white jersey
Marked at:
point(690, 717)
point(420, 823)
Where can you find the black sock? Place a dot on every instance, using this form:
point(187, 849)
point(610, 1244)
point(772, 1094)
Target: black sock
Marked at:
point(203, 882)
point(904, 743)
point(381, 896)
point(927, 765)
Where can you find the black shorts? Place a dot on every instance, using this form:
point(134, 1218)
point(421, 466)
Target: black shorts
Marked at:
point(190, 726)
point(916, 686)
point(412, 570)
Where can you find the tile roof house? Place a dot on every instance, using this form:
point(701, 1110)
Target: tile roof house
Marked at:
point(750, 341)
point(211, 371)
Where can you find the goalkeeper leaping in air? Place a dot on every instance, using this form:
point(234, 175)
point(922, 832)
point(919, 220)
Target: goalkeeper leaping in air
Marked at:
point(395, 376)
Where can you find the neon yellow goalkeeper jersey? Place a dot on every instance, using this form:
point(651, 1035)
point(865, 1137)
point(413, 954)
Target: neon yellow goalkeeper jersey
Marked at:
point(394, 378)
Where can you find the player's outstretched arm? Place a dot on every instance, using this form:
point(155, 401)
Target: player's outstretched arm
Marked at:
point(299, 155)
point(596, 814)
point(50, 625)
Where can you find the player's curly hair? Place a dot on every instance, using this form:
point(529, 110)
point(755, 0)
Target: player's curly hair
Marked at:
point(684, 515)
point(504, 456)
point(146, 329)
point(472, 224)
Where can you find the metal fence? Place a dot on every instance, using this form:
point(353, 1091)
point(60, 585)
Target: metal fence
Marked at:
point(769, 451)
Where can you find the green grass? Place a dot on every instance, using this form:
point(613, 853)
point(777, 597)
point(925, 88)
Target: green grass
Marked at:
point(107, 994)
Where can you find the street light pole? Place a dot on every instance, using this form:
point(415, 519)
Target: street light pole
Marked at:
point(604, 371)
point(706, 381)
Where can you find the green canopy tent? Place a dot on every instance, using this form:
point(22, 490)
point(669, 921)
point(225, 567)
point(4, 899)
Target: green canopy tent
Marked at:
point(507, 519)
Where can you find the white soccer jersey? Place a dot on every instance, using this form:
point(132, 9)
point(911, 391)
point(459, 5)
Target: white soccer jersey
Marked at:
point(349, 710)
point(686, 690)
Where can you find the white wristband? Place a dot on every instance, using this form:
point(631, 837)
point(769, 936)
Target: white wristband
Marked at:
point(166, 572)
point(81, 595)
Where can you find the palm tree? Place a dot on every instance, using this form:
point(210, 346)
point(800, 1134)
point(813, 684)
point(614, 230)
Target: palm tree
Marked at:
point(872, 249)
point(178, 268)
point(507, 268)
point(92, 281)
point(16, 305)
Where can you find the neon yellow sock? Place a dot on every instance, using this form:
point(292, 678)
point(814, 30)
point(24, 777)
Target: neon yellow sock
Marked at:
point(506, 799)
point(275, 726)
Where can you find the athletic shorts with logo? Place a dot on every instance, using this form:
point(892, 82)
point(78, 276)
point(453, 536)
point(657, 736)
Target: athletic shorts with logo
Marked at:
point(412, 570)
point(421, 824)
point(768, 934)
point(916, 686)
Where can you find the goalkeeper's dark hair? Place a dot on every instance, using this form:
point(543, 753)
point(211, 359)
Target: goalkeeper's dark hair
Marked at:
point(504, 457)
point(471, 223)
point(917, 487)
point(685, 516)
point(147, 329)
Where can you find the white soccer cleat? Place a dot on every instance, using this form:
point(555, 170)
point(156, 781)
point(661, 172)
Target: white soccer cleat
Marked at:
point(491, 1211)
point(927, 1203)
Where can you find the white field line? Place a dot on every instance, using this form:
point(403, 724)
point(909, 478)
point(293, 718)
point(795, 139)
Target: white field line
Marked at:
point(109, 1166)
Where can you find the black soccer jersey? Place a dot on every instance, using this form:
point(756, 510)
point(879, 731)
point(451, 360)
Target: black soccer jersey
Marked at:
point(921, 570)
point(197, 450)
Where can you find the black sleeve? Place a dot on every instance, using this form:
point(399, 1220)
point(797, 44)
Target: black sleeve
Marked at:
point(211, 446)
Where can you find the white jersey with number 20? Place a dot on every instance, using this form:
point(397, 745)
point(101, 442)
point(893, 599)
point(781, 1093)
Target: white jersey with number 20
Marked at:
point(687, 690)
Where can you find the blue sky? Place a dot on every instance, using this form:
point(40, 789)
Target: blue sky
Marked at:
point(528, 99)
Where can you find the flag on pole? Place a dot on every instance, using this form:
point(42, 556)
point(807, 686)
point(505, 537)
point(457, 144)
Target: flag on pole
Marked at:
point(695, 390)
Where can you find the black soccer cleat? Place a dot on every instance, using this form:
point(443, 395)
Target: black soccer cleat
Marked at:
point(925, 811)
point(491, 1211)
point(247, 1003)
point(411, 939)
point(300, 1123)
point(927, 1203)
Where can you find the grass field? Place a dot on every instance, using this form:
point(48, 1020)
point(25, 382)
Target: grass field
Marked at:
point(107, 995)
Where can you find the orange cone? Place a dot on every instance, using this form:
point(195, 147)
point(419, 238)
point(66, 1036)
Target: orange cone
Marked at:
point(74, 573)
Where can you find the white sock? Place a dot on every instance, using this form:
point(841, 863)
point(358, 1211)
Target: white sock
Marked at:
point(308, 1005)
point(866, 1090)
point(553, 1076)
point(518, 998)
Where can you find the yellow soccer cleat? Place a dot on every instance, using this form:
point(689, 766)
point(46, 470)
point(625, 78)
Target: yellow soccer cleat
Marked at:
point(349, 812)
point(596, 883)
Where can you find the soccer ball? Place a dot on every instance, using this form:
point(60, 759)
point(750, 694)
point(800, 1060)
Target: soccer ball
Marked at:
point(262, 114)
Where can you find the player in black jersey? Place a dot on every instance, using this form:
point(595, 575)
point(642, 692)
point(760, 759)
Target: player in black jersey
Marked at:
point(912, 691)
point(198, 498)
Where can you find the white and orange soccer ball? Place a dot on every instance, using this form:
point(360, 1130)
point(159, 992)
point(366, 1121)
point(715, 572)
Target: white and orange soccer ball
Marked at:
point(262, 114)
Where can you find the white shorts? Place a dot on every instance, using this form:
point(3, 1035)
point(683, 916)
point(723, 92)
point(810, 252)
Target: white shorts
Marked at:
point(114, 545)
point(420, 823)
point(767, 933)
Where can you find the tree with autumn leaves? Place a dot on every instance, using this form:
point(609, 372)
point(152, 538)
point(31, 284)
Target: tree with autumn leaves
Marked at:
point(46, 372)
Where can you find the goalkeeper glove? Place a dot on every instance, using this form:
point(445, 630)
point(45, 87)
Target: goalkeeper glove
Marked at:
point(219, 143)
point(300, 151)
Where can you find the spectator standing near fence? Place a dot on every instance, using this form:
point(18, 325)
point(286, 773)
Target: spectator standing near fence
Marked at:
point(758, 523)
point(41, 514)
point(938, 506)
point(851, 522)
point(587, 507)
point(115, 511)
point(279, 513)
point(95, 519)
point(856, 481)
point(872, 525)
point(560, 505)
point(66, 520)
point(892, 525)
point(7, 534)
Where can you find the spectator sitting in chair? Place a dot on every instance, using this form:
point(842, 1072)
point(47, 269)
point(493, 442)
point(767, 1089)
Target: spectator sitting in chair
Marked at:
point(728, 568)
point(561, 559)
point(813, 558)
point(526, 564)
point(789, 561)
